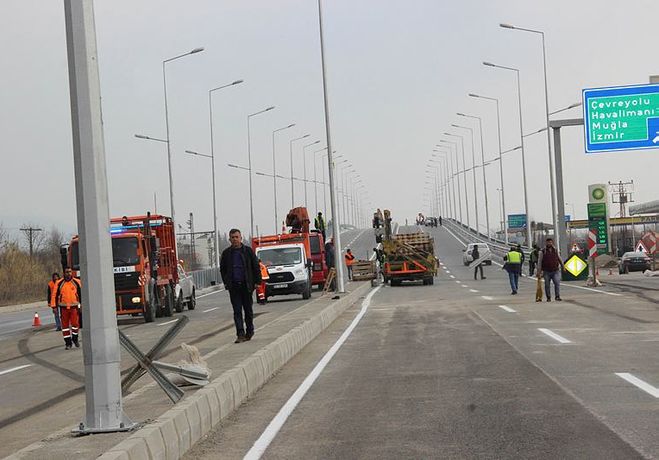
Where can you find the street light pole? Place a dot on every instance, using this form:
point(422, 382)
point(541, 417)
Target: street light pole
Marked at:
point(473, 170)
point(453, 177)
point(169, 150)
point(249, 165)
point(315, 178)
point(290, 146)
point(503, 200)
point(464, 171)
point(216, 243)
point(274, 173)
point(212, 157)
point(521, 135)
point(304, 166)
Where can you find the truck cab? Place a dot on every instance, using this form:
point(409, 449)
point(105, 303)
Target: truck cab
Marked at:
point(288, 262)
point(319, 268)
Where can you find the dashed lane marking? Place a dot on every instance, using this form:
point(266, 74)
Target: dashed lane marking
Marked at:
point(458, 281)
point(554, 335)
point(168, 322)
point(211, 309)
point(17, 368)
point(452, 277)
point(473, 290)
point(210, 293)
point(651, 390)
point(487, 297)
point(508, 309)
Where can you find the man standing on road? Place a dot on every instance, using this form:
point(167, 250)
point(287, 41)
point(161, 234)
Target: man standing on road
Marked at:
point(66, 298)
point(533, 259)
point(319, 223)
point(475, 255)
point(241, 274)
point(52, 284)
point(549, 266)
point(350, 259)
point(513, 266)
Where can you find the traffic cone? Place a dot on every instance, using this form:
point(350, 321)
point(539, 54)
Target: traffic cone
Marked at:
point(610, 271)
point(37, 320)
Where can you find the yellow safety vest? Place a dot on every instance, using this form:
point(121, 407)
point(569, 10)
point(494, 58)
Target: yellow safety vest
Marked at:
point(514, 257)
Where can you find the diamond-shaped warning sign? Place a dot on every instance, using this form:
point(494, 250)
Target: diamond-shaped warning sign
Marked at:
point(575, 265)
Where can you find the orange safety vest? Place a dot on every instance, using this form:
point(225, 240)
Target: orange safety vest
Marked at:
point(51, 290)
point(66, 294)
point(350, 258)
point(264, 272)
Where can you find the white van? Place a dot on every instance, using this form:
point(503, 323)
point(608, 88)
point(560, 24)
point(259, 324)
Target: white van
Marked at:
point(288, 268)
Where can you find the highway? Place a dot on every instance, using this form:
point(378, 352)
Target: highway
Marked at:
point(462, 369)
point(41, 384)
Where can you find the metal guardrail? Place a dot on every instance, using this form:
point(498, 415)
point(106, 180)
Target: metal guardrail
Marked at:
point(206, 277)
point(497, 246)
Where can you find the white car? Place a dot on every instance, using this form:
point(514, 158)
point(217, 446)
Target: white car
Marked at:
point(185, 291)
point(482, 249)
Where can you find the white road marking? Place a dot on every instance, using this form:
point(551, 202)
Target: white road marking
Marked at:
point(448, 271)
point(487, 297)
point(261, 444)
point(168, 322)
point(473, 290)
point(508, 309)
point(458, 281)
point(554, 335)
point(210, 293)
point(441, 263)
point(639, 383)
point(211, 309)
point(452, 277)
point(17, 368)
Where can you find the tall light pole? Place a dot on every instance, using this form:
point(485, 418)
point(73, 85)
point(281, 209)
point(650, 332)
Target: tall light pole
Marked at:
point(480, 130)
point(249, 165)
point(212, 157)
point(521, 135)
point(290, 146)
point(336, 228)
point(274, 173)
point(551, 160)
point(503, 200)
point(216, 243)
point(464, 171)
point(473, 171)
point(304, 166)
point(445, 157)
point(169, 150)
point(315, 178)
point(458, 201)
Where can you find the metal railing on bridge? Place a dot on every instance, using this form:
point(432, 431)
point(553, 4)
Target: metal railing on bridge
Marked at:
point(206, 277)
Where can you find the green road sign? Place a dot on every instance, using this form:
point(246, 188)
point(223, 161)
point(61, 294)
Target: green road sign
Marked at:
point(597, 221)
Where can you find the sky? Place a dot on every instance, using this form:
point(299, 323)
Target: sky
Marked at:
point(397, 73)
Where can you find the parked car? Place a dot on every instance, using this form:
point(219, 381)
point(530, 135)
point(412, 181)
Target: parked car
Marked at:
point(185, 291)
point(482, 249)
point(634, 262)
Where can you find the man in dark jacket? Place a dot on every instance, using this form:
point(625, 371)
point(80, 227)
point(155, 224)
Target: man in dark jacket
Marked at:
point(549, 266)
point(241, 274)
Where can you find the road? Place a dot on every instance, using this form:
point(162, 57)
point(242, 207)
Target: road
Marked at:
point(462, 369)
point(41, 381)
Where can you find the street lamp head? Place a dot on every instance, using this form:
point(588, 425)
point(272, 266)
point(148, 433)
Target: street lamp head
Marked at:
point(460, 114)
point(190, 151)
point(446, 134)
point(141, 136)
point(197, 50)
point(269, 108)
point(317, 142)
point(576, 104)
point(473, 95)
point(506, 26)
point(237, 82)
point(290, 126)
point(489, 64)
point(305, 136)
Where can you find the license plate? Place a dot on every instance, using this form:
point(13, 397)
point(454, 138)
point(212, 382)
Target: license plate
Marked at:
point(280, 286)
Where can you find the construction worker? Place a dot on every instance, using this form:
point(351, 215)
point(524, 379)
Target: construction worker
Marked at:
point(513, 265)
point(66, 297)
point(51, 288)
point(350, 259)
point(319, 223)
point(260, 290)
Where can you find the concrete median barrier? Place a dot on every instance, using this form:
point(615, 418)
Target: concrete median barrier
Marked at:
point(173, 433)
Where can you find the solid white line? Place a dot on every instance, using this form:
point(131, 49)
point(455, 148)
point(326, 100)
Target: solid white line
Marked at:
point(211, 309)
point(639, 383)
point(487, 297)
point(168, 322)
point(261, 444)
point(473, 290)
point(17, 368)
point(210, 293)
point(554, 335)
point(508, 309)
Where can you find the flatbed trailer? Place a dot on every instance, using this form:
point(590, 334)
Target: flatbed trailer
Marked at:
point(409, 257)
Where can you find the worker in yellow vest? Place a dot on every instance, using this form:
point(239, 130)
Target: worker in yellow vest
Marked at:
point(513, 265)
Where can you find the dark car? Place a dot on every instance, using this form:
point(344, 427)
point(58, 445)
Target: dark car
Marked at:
point(634, 262)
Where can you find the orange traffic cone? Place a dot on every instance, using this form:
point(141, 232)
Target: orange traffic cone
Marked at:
point(37, 320)
point(610, 271)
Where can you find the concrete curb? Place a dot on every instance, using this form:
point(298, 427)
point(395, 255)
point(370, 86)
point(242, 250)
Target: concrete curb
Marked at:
point(178, 429)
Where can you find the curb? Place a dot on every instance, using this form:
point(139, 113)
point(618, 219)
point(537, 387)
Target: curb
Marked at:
point(178, 429)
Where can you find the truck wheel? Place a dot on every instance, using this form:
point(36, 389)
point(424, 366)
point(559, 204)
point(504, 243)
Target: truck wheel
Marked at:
point(149, 312)
point(178, 306)
point(395, 282)
point(192, 302)
point(307, 292)
point(157, 301)
point(168, 304)
point(429, 281)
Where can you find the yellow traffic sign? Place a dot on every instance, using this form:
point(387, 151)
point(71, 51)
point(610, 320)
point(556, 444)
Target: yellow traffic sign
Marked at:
point(575, 265)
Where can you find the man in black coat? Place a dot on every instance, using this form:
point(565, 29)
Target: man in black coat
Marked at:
point(241, 275)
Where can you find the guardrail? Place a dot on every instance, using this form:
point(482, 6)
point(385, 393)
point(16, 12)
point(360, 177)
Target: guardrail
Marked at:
point(206, 277)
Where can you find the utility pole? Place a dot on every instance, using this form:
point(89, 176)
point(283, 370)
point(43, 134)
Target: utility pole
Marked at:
point(30, 233)
point(621, 193)
point(100, 337)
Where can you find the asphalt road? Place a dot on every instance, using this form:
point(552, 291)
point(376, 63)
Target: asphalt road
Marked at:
point(462, 369)
point(41, 381)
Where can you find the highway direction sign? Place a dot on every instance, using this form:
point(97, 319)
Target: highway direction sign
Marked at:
point(516, 220)
point(621, 118)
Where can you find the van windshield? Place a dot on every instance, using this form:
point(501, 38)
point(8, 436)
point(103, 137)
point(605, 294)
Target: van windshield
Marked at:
point(124, 252)
point(280, 256)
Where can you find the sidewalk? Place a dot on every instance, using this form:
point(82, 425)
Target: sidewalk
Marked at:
point(170, 430)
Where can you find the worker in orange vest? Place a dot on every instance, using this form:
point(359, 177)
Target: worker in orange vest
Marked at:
point(51, 288)
point(66, 297)
point(260, 290)
point(350, 259)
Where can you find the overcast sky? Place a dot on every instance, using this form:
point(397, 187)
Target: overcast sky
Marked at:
point(398, 71)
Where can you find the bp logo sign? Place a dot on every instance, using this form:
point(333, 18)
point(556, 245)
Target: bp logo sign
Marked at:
point(597, 193)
